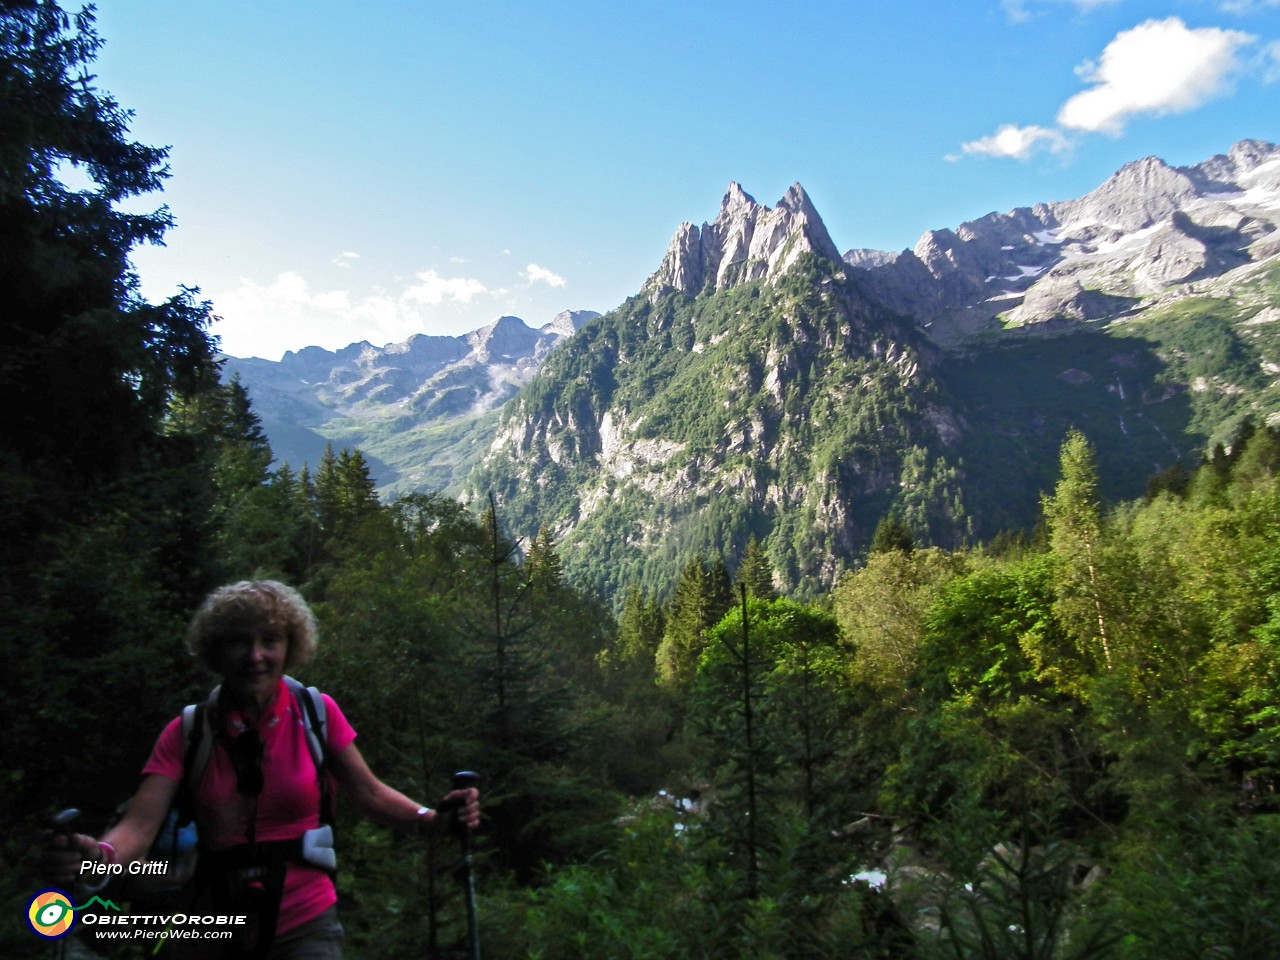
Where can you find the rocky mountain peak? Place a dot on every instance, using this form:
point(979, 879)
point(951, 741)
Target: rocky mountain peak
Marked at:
point(746, 241)
point(1247, 154)
point(1137, 196)
point(1151, 229)
point(504, 338)
point(567, 323)
point(797, 201)
point(1243, 158)
point(737, 200)
point(438, 378)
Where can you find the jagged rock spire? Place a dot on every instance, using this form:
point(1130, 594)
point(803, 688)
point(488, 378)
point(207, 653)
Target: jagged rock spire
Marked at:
point(745, 241)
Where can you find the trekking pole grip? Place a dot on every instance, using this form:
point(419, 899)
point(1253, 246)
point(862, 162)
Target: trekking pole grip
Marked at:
point(448, 809)
point(465, 780)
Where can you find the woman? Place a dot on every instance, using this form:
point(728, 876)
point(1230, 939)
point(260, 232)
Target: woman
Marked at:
point(258, 801)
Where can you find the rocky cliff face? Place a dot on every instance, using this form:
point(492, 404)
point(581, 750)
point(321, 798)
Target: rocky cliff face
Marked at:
point(1149, 229)
point(746, 241)
point(684, 423)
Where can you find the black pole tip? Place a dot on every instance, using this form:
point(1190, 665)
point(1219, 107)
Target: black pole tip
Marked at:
point(465, 779)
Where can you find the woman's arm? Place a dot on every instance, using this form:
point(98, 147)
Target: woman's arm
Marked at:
point(388, 806)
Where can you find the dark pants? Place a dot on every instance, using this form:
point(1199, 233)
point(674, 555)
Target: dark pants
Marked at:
point(318, 939)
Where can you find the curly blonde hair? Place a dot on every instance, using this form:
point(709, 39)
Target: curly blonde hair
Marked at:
point(231, 611)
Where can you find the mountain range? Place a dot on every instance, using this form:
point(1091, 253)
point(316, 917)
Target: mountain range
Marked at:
point(761, 384)
point(413, 408)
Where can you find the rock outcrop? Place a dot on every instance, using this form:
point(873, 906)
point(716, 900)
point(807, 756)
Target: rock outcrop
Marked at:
point(1150, 230)
point(746, 241)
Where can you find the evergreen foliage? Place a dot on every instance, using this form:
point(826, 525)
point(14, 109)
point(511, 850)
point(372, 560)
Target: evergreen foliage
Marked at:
point(701, 598)
point(788, 412)
point(755, 573)
point(105, 505)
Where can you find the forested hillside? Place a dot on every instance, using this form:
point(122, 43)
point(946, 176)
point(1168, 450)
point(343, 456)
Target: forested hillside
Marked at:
point(759, 386)
point(795, 412)
point(1063, 742)
point(798, 411)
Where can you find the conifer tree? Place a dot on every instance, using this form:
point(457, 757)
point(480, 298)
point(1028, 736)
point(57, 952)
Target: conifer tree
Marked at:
point(351, 518)
point(892, 534)
point(104, 510)
point(542, 565)
point(244, 515)
point(701, 598)
point(755, 572)
point(1074, 517)
point(640, 629)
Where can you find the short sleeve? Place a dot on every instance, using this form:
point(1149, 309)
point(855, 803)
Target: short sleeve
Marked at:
point(167, 754)
point(340, 732)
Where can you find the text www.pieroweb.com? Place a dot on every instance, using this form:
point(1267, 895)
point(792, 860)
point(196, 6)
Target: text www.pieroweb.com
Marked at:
point(178, 926)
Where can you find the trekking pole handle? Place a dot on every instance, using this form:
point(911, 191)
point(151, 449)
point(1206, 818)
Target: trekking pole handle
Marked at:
point(463, 780)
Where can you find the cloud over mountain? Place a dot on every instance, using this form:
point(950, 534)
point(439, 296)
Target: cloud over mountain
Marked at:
point(536, 274)
point(1158, 68)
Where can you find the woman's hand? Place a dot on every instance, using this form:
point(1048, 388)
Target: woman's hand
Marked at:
point(66, 853)
point(462, 808)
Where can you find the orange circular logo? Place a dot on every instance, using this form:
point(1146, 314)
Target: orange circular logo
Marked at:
point(51, 914)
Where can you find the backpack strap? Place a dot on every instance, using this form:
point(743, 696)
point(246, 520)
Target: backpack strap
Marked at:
point(197, 734)
point(311, 707)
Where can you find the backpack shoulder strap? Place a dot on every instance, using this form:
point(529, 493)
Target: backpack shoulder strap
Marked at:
point(312, 708)
point(197, 734)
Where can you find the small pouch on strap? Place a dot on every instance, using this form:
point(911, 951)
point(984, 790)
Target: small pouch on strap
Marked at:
point(317, 848)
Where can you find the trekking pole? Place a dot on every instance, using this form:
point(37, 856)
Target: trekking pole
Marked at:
point(61, 823)
point(464, 780)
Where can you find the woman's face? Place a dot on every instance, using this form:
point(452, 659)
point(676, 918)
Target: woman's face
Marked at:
point(252, 663)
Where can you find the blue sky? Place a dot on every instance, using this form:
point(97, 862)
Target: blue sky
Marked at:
point(345, 171)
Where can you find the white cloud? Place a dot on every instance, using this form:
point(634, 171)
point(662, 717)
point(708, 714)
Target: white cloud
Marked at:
point(266, 319)
point(434, 289)
point(1246, 6)
point(1022, 10)
point(1016, 142)
point(345, 259)
point(1271, 62)
point(1158, 67)
point(536, 274)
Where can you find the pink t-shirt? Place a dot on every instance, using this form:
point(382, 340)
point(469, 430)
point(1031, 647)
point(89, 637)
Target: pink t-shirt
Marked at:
point(288, 806)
